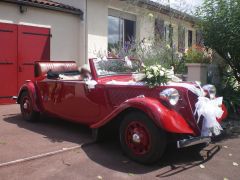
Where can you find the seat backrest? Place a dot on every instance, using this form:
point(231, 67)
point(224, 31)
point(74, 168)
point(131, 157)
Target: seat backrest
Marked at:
point(41, 68)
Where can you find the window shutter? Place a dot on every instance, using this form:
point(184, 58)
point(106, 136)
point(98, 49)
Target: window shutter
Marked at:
point(159, 29)
point(181, 39)
point(199, 38)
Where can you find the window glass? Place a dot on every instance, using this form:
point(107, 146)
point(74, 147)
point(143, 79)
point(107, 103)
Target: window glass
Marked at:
point(115, 32)
point(190, 38)
point(129, 30)
point(120, 32)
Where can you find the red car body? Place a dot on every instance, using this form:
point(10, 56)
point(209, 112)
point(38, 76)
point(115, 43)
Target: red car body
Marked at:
point(95, 107)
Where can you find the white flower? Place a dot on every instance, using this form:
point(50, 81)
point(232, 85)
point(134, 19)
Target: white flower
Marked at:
point(155, 69)
point(149, 76)
point(162, 73)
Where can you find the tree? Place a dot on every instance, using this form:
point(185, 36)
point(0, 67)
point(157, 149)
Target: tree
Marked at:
point(220, 25)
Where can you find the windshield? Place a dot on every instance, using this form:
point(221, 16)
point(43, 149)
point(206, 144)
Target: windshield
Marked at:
point(116, 66)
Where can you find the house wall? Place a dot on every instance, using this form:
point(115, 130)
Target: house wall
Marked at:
point(80, 4)
point(97, 27)
point(65, 29)
point(146, 21)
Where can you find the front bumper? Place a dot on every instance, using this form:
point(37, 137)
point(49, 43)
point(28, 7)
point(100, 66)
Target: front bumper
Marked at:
point(193, 141)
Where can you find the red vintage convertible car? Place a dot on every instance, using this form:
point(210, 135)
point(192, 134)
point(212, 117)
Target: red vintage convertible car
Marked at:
point(146, 118)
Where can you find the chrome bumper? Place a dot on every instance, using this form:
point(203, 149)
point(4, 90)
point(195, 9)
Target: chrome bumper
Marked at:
point(193, 141)
point(14, 97)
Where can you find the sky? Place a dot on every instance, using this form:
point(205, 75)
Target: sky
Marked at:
point(182, 5)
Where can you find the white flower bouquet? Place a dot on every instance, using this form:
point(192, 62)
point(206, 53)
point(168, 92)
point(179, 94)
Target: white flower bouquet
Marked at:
point(155, 75)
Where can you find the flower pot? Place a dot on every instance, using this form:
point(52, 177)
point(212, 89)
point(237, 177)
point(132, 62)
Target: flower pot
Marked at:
point(197, 72)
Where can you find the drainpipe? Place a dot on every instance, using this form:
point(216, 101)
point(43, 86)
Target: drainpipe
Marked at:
point(86, 32)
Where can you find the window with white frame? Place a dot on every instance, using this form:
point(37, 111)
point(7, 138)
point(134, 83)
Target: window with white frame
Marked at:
point(121, 29)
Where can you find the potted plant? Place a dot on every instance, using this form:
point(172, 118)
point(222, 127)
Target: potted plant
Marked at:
point(197, 60)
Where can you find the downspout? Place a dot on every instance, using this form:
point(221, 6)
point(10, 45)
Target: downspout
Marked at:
point(86, 33)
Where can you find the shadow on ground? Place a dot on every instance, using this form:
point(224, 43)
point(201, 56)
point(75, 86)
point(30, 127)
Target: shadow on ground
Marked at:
point(55, 130)
point(108, 154)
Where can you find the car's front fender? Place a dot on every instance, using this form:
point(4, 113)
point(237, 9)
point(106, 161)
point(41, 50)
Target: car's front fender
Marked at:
point(163, 117)
point(29, 87)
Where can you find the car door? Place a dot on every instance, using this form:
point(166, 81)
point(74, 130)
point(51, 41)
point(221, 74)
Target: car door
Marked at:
point(79, 103)
point(73, 100)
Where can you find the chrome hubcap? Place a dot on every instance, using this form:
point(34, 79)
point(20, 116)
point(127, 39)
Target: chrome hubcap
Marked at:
point(136, 138)
point(25, 105)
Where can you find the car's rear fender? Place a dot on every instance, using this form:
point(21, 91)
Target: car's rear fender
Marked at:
point(31, 89)
point(163, 117)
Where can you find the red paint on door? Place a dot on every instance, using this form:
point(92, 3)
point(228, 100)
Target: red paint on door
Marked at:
point(33, 45)
point(20, 47)
point(8, 62)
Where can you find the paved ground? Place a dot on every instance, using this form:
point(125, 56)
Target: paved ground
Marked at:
point(20, 140)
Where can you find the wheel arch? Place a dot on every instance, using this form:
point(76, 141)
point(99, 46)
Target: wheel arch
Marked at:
point(163, 117)
point(29, 87)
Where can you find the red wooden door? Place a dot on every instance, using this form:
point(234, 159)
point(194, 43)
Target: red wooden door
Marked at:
point(8, 62)
point(33, 45)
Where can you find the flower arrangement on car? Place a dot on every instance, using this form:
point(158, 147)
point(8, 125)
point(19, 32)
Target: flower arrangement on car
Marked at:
point(155, 75)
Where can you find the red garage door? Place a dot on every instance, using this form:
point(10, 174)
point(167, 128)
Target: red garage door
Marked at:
point(8, 62)
point(20, 47)
point(33, 45)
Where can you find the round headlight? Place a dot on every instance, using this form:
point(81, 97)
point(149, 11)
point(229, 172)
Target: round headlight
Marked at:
point(211, 89)
point(171, 95)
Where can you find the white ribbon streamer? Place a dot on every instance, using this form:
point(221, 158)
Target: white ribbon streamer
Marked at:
point(128, 62)
point(91, 84)
point(190, 87)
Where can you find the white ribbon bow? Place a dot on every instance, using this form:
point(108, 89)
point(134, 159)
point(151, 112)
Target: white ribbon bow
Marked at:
point(210, 109)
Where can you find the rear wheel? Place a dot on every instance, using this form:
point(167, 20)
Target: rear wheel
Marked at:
point(26, 106)
point(141, 139)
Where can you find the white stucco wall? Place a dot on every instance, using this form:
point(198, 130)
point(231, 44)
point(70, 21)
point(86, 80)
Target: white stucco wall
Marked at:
point(80, 4)
point(65, 29)
point(97, 27)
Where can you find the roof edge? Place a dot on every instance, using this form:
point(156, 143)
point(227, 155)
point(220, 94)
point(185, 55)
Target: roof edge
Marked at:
point(44, 6)
point(157, 7)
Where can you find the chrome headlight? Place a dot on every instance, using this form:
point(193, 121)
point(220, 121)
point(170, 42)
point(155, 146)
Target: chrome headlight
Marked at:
point(171, 95)
point(211, 89)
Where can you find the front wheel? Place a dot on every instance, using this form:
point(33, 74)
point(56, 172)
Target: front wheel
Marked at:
point(26, 106)
point(141, 139)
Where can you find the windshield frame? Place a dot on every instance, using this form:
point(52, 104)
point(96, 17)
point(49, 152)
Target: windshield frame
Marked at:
point(94, 61)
